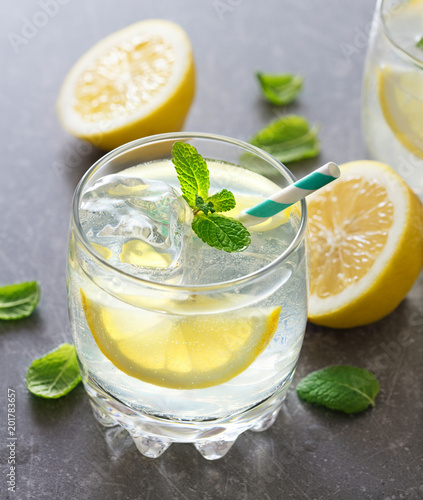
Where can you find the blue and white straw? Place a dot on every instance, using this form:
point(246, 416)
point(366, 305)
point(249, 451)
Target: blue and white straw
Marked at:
point(290, 195)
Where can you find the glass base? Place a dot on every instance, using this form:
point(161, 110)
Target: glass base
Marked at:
point(212, 438)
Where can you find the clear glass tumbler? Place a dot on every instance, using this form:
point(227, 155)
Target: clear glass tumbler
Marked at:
point(209, 352)
point(392, 97)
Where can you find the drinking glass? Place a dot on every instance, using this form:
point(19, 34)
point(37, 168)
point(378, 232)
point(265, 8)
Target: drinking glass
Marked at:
point(392, 100)
point(243, 327)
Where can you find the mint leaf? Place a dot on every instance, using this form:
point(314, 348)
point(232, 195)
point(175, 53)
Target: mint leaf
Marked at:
point(19, 300)
point(192, 171)
point(419, 44)
point(216, 230)
point(205, 207)
point(221, 232)
point(222, 201)
point(280, 89)
point(288, 139)
point(345, 388)
point(55, 374)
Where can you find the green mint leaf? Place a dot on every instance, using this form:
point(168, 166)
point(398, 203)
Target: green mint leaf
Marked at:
point(216, 230)
point(221, 232)
point(192, 172)
point(345, 388)
point(288, 139)
point(55, 374)
point(206, 207)
point(419, 44)
point(280, 89)
point(19, 300)
point(222, 201)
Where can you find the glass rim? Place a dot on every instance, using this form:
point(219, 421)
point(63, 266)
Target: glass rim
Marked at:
point(297, 240)
point(404, 53)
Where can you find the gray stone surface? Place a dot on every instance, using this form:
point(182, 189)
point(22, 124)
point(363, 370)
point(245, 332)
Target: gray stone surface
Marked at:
point(310, 453)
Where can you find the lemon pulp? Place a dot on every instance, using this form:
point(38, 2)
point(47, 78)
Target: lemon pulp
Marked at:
point(124, 77)
point(347, 238)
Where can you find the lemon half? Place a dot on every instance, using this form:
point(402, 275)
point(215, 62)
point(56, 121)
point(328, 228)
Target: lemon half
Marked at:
point(180, 352)
point(136, 82)
point(366, 245)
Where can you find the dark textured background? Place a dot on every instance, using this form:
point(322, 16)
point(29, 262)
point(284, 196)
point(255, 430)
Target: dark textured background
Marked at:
point(310, 452)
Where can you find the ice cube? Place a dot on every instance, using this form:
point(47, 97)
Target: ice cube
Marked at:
point(138, 225)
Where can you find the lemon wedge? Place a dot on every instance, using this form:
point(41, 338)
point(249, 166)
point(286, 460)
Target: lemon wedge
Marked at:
point(136, 82)
point(366, 239)
point(180, 352)
point(401, 99)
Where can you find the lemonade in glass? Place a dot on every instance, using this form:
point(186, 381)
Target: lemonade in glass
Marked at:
point(393, 89)
point(178, 341)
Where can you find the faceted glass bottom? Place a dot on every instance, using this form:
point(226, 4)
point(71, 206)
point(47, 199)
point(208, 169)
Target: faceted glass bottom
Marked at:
point(212, 438)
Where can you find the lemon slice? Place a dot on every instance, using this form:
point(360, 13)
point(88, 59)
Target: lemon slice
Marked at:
point(136, 82)
point(180, 352)
point(401, 99)
point(244, 201)
point(366, 245)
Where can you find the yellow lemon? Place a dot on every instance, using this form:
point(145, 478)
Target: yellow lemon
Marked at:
point(136, 82)
point(401, 99)
point(366, 245)
point(180, 352)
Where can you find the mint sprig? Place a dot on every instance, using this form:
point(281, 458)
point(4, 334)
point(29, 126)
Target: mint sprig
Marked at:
point(280, 89)
point(55, 374)
point(344, 388)
point(289, 138)
point(18, 301)
point(419, 43)
point(214, 229)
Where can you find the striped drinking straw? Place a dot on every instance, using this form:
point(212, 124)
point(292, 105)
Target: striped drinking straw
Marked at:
point(289, 195)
